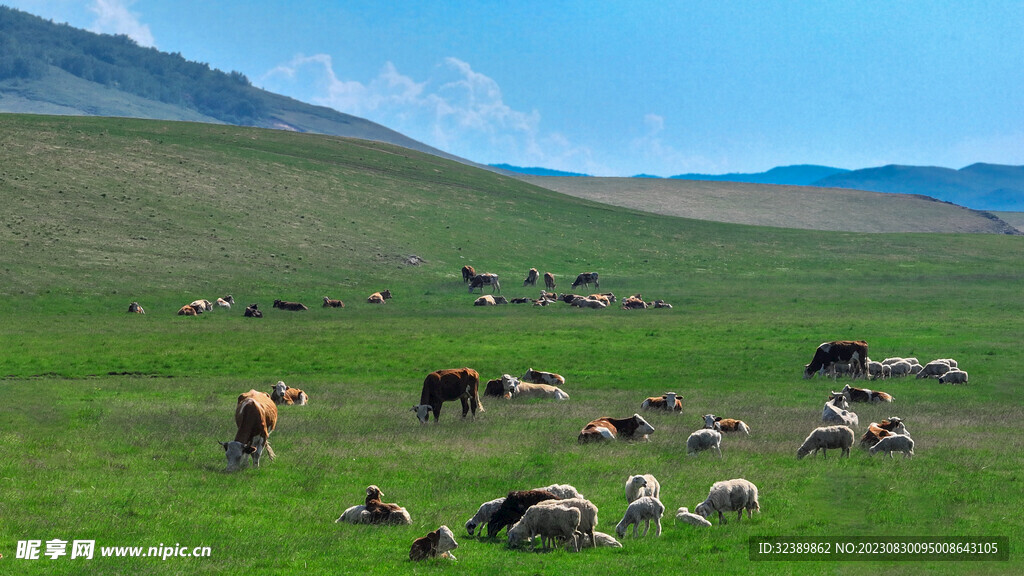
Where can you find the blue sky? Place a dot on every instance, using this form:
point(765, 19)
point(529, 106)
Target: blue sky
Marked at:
point(622, 88)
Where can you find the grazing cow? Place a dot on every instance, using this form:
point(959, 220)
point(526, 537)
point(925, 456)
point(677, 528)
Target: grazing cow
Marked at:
point(329, 303)
point(669, 401)
point(281, 393)
point(606, 428)
point(725, 424)
point(134, 307)
point(537, 377)
point(878, 430)
point(481, 280)
point(549, 281)
point(293, 306)
point(852, 351)
point(467, 273)
point(531, 278)
point(256, 418)
point(865, 395)
point(379, 297)
point(443, 385)
point(586, 279)
point(488, 300)
point(188, 310)
point(226, 302)
point(513, 508)
point(253, 311)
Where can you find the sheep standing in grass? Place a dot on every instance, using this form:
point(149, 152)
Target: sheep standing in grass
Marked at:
point(550, 522)
point(684, 515)
point(734, 495)
point(955, 376)
point(826, 437)
point(588, 512)
point(644, 510)
point(704, 439)
point(934, 368)
point(483, 515)
point(642, 485)
point(894, 443)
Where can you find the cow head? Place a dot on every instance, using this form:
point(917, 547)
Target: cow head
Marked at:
point(642, 427)
point(510, 384)
point(277, 392)
point(422, 412)
point(236, 453)
point(711, 421)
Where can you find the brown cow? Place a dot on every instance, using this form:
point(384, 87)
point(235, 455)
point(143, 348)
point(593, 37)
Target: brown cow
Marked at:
point(282, 393)
point(531, 278)
point(467, 273)
point(606, 428)
point(253, 311)
point(549, 281)
point(188, 310)
point(256, 418)
point(329, 303)
point(443, 385)
point(379, 297)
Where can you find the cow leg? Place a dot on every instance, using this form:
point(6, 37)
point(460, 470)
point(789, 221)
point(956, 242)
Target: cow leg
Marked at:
point(465, 407)
point(258, 444)
point(436, 409)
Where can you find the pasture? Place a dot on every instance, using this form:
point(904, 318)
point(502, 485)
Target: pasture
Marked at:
point(111, 421)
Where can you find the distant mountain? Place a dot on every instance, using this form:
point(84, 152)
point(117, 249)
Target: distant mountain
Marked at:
point(978, 186)
point(48, 68)
point(535, 171)
point(800, 175)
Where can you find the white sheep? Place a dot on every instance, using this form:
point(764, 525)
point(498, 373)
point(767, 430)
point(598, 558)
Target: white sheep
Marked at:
point(876, 369)
point(826, 437)
point(514, 388)
point(704, 439)
point(901, 368)
point(895, 443)
point(355, 515)
point(601, 540)
point(588, 512)
point(734, 495)
point(483, 515)
point(550, 522)
point(563, 491)
point(892, 360)
point(644, 510)
point(934, 368)
point(642, 485)
point(955, 376)
point(948, 361)
point(684, 515)
point(836, 411)
point(915, 369)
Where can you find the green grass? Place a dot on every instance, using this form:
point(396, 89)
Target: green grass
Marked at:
point(110, 426)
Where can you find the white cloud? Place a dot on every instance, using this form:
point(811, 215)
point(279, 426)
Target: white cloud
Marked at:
point(662, 158)
point(114, 17)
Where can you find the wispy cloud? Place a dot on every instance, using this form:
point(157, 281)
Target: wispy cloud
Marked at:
point(664, 157)
point(114, 17)
point(457, 109)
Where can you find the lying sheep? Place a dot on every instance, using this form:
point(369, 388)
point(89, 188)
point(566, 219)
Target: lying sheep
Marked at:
point(826, 437)
point(355, 515)
point(436, 544)
point(563, 491)
point(704, 439)
point(836, 411)
point(734, 495)
point(550, 522)
point(684, 515)
point(644, 510)
point(483, 515)
point(955, 376)
point(384, 513)
point(601, 540)
point(642, 485)
point(894, 443)
point(588, 512)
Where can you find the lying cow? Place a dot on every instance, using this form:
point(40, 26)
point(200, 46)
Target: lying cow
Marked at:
point(605, 428)
point(281, 393)
point(445, 385)
point(669, 401)
point(253, 311)
point(488, 300)
point(516, 389)
point(286, 305)
point(537, 377)
point(134, 308)
point(436, 544)
point(256, 418)
point(226, 302)
point(331, 303)
point(865, 395)
point(188, 310)
point(379, 297)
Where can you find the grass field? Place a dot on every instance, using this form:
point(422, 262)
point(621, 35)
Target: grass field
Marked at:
point(110, 428)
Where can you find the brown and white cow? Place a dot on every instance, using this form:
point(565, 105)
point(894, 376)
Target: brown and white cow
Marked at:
point(331, 303)
point(531, 277)
point(537, 377)
point(379, 297)
point(444, 385)
point(202, 305)
point(226, 302)
point(281, 393)
point(188, 310)
point(586, 279)
point(485, 279)
point(436, 544)
point(865, 395)
point(669, 401)
point(725, 424)
point(549, 281)
point(605, 428)
point(488, 300)
point(135, 308)
point(827, 353)
point(634, 302)
point(878, 430)
point(467, 273)
point(256, 418)
point(286, 305)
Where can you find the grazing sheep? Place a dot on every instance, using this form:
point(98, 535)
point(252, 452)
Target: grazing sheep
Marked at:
point(669, 401)
point(329, 303)
point(551, 522)
point(826, 437)
point(562, 491)
point(734, 495)
point(948, 361)
point(644, 510)
point(436, 544)
point(384, 513)
point(704, 439)
point(934, 368)
point(588, 512)
point(876, 369)
point(135, 308)
point(876, 431)
point(601, 540)
point(916, 369)
point(836, 411)
point(642, 485)
point(725, 424)
point(684, 515)
point(483, 515)
point(894, 443)
point(512, 509)
point(900, 368)
point(516, 389)
point(955, 376)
